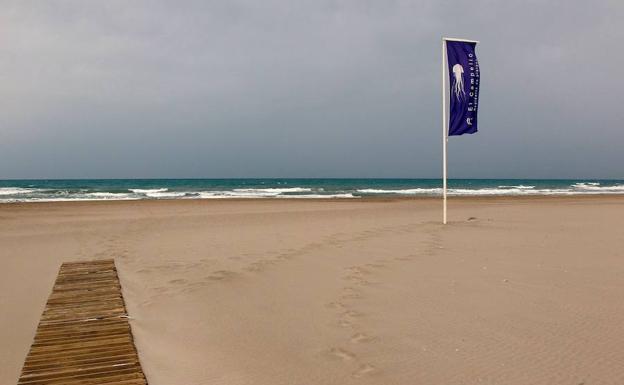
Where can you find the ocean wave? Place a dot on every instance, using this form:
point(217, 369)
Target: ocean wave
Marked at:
point(409, 191)
point(17, 190)
point(504, 191)
point(522, 187)
point(589, 188)
point(148, 191)
point(507, 190)
point(236, 194)
point(104, 195)
point(82, 191)
point(273, 190)
point(595, 186)
point(257, 193)
point(253, 193)
point(586, 184)
point(501, 191)
point(71, 198)
point(169, 194)
point(318, 196)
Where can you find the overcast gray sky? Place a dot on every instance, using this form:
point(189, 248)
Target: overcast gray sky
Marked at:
point(230, 88)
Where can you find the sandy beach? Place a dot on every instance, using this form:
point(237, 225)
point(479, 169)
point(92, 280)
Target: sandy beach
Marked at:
point(512, 291)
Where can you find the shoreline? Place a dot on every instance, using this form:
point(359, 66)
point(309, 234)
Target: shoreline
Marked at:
point(366, 199)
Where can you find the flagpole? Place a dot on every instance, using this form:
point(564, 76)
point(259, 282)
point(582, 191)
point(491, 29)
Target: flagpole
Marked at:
point(444, 130)
point(445, 120)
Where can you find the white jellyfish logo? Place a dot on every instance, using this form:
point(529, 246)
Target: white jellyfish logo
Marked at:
point(458, 81)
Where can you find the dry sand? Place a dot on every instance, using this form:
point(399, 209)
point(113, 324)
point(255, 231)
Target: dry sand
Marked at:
point(339, 292)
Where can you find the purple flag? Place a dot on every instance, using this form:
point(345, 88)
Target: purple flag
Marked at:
point(464, 81)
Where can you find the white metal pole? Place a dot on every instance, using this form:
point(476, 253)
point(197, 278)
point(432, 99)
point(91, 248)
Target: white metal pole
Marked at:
point(444, 130)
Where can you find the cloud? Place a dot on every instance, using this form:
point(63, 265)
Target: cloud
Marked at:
point(305, 88)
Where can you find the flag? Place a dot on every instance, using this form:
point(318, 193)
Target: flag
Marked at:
point(464, 82)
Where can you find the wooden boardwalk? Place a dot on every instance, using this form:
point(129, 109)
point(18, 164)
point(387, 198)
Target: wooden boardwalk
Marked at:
point(84, 336)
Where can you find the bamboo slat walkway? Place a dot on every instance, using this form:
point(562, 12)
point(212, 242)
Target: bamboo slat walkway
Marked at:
point(84, 336)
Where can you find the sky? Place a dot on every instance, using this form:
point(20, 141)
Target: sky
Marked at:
point(319, 88)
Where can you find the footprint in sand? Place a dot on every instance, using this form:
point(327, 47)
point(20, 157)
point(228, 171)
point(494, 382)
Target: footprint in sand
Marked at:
point(335, 305)
point(357, 275)
point(283, 257)
point(343, 354)
point(221, 275)
point(350, 293)
point(363, 370)
point(192, 287)
point(352, 314)
point(359, 338)
point(346, 319)
point(351, 296)
point(260, 265)
point(357, 280)
point(359, 270)
point(345, 323)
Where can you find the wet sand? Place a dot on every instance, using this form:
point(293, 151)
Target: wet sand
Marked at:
point(512, 291)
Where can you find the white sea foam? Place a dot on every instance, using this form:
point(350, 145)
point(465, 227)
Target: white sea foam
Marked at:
point(522, 187)
point(597, 187)
point(72, 198)
point(105, 195)
point(501, 190)
point(318, 196)
point(586, 184)
point(16, 190)
point(235, 194)
point(254, 193)
point(148, 191)
point(273, 190)
point(410, 191)
point(170, 194)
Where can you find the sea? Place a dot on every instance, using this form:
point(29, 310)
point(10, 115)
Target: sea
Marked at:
point(12, 191)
